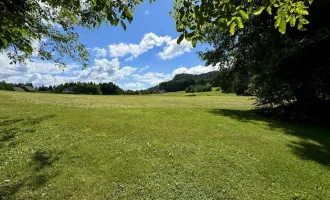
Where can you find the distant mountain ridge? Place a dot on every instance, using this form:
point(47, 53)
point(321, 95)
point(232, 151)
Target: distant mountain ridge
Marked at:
point(208, 75)
point(181, 81)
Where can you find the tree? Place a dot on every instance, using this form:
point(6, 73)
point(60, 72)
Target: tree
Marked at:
point(290, 70)
point(193, 17)
point(23, 22)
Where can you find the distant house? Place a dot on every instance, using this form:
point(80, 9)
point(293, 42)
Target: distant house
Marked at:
point(29, 88)
point(18, 89)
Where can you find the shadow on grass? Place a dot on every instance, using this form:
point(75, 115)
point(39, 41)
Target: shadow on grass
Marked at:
point(40, 174)
point(41, 160)
point(315, 141)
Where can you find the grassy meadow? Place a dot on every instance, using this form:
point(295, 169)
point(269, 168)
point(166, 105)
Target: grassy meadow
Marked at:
point(170, 146)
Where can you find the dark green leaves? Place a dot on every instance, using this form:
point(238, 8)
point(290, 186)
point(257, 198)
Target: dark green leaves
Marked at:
point(4, 41)
point(193, 42)
point(123, 24)
point(179, 40)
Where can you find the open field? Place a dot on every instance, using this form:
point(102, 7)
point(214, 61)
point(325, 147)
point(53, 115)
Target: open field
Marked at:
point(167, 146)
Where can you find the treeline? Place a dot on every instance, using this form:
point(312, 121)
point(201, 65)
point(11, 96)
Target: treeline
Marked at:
point(181, 82)
point(206, 77)
point(92, 88)
point(10, 86)
point(78, 88)
point(199, 88)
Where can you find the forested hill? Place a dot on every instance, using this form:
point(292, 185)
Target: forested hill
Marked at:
point(206, 76)
point(181, 81)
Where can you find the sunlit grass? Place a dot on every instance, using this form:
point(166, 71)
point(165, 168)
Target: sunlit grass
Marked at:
point(155, 147)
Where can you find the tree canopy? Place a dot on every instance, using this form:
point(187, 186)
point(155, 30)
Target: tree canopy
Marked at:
point(194, 17)
point(51, 25)
point(287, 70)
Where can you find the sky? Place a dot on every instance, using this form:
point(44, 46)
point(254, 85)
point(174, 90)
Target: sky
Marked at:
point(140, 57)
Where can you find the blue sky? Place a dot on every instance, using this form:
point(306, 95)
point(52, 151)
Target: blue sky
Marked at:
point(138, 58)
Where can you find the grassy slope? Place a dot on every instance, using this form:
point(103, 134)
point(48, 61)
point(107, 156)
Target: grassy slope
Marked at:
point(159, 146)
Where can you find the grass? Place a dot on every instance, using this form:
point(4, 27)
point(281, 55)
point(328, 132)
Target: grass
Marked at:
point(155, 147)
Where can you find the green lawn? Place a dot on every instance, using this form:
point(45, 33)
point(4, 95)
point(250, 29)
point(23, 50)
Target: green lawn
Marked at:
point(155, 147)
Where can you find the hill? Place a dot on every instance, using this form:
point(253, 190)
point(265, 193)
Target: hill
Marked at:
point(205, 76)
point(181, 81)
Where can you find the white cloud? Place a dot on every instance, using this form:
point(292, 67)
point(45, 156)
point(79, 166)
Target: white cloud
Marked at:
point(148, 42)
point(132, 86)
point(146, 12)
point(199, 69)
point(172, 49)
point(100, 53)
point(40, 79)
point(144, 68)
point(106, 71)
point(152, 78)
point(47, 73)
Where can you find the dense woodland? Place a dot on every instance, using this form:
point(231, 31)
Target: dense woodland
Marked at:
point(182, 81)
point(74, 88)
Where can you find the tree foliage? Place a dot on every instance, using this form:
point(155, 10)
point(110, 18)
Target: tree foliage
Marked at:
point(198, 88)
point(181, 81)
point(290, 69)
point(51, 24)
point(193, 17)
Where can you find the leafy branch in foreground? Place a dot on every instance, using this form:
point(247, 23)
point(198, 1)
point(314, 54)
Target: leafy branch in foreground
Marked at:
point(47, 28)
point(193, 17)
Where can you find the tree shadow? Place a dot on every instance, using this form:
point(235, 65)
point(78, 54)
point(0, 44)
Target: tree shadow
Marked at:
point(315, 140)
point(10, 122)
point(9, 134)
point(44, 159)
point(41, 170)
point(40, 174)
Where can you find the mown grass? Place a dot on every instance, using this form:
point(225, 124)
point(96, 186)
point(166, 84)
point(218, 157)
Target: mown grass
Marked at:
point(155, 147)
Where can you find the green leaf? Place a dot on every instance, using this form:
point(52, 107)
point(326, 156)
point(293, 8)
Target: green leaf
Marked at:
point(277, 22)
point(193, 42)
point(239, 22)
point(269, 10)
point(232, 28)
point(115, 22)
point(4, 41)
point(179, 40)
point(310, 2)
point(259, 11)
point(243, 14)
point(305, 12)
point(123, 25)
point(293, 21)
point(190, 35)
point(282, 27)
point(29, 49)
